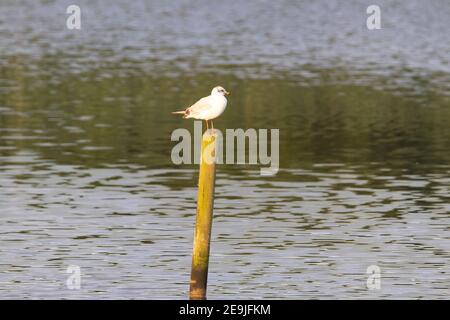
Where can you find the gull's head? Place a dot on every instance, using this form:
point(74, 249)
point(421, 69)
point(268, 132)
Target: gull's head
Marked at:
point(219, 90)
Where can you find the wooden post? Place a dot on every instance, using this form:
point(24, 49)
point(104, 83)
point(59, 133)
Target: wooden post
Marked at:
point(205, 203)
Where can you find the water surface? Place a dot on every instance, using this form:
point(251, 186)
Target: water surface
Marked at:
point(85, 171)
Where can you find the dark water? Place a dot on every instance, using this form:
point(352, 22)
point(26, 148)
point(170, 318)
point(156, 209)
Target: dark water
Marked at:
point(85, 171)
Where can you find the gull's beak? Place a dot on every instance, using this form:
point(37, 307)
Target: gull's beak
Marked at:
point(227, 93)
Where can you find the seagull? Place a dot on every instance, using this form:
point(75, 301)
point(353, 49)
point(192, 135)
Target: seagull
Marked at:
point(207, 108)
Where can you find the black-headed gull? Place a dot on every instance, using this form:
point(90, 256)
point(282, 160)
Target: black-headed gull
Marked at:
point(207, 108)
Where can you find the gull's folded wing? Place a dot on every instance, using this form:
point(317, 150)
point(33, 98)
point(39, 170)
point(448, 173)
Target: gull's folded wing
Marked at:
point(198, 108)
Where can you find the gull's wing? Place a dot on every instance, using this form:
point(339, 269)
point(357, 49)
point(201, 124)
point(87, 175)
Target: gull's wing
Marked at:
point(198, 108)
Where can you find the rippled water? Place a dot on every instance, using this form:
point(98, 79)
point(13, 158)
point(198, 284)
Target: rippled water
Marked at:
point(86, 177)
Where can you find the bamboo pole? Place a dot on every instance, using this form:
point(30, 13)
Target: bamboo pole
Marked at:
point(205, 203)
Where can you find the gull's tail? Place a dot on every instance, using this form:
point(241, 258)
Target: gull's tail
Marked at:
point(185, 113)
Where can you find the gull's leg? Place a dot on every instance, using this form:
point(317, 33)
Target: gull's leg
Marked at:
point(206, 125)
point(212, 124)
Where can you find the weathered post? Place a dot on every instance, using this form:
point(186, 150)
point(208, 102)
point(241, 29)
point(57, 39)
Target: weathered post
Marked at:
point(205, 203)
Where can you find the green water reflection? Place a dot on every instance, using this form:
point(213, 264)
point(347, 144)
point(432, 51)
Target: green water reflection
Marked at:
point(102, 117)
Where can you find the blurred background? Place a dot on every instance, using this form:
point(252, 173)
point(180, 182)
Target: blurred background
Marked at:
point(86, 176)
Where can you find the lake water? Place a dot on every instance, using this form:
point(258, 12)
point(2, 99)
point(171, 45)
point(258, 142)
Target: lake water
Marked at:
point(86, 177)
